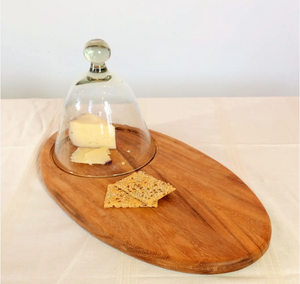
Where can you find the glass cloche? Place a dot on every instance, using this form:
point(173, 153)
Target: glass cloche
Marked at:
point(102, 132)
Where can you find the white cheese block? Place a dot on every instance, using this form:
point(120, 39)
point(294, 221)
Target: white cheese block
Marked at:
point(89, 130)
point(91, 156)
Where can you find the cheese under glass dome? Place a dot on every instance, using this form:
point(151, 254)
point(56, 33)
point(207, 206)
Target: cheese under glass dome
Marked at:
point(102, 132)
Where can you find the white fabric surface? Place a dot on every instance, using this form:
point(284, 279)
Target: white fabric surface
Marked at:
point(256, 138)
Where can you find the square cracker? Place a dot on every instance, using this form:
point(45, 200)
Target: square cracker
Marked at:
point(144, 187)
point(118, 198)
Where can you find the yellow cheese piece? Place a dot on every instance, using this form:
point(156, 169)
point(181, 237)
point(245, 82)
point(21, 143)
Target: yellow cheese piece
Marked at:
point(91, 156)
point(89, 130)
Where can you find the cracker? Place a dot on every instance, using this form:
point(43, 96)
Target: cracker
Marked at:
point(144, 187)
point(118, 198)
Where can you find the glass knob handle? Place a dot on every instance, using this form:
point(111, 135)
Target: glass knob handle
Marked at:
point(97, 51)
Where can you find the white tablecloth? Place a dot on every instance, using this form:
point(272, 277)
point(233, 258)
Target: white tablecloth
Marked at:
point(256, 138)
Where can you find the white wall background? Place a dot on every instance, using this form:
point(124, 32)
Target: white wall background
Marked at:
point(162, 48)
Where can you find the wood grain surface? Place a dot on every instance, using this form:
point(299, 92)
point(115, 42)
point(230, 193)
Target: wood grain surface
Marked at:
point(213, 223)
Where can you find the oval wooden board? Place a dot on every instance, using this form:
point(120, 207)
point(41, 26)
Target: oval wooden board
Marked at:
point(213, 223)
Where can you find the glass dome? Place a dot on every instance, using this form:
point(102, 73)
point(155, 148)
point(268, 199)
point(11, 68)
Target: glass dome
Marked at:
point(102, 132)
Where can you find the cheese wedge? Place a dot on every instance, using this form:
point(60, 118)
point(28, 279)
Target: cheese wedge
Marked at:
point(89, 130)
point(91, 156)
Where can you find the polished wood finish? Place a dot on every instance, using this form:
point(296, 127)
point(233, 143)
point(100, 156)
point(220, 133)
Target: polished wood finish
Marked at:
point(213, 223)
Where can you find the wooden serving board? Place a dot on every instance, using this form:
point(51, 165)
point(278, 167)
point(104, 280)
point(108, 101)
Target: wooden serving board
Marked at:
point(213, 223)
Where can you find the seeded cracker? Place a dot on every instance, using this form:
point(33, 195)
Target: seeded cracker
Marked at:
point(145, 188)
point(120, 199)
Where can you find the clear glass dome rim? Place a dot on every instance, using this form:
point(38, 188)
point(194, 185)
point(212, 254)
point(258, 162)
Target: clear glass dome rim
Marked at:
point(61, 166)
